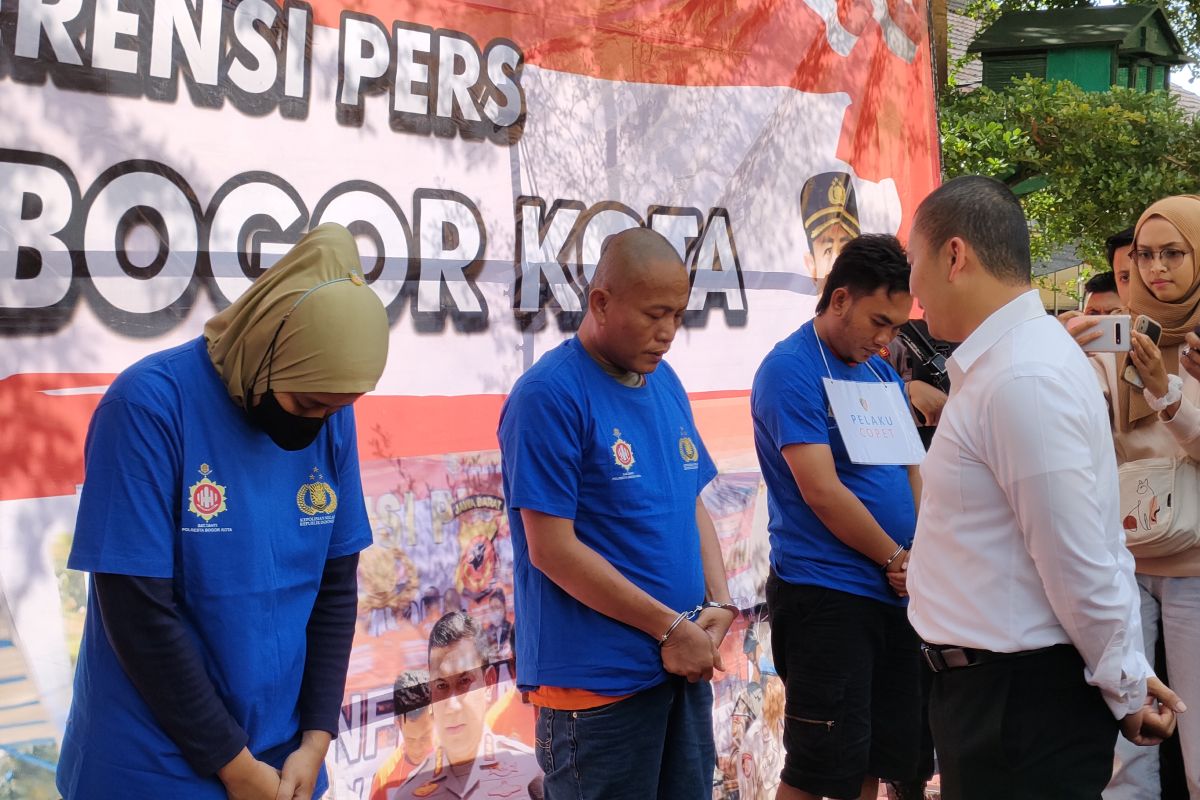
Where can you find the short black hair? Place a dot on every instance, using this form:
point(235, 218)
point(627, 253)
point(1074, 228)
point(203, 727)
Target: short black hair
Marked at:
point(867, 264)
point(410, 692)
point(1099, 283)
point(985, 214)
point(1115, 242)
point(458, 626)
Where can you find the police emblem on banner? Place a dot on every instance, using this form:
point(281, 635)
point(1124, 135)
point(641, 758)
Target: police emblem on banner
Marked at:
point(205, 498)
point(837, 193)
point(622, 451)
point(687, 448)
point(316, 496)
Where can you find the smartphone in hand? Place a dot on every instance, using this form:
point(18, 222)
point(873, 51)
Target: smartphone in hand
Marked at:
point(1149, 327)
point(1144, 324)
point(1114, 333)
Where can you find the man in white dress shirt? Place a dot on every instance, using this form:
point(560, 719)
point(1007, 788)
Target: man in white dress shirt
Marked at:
point(1019, 579)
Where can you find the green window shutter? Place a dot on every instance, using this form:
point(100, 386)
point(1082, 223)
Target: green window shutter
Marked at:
point(999, 71)
point(1143, 79)
point(1089, 68)
point(1159, 80)
point(1123, 76)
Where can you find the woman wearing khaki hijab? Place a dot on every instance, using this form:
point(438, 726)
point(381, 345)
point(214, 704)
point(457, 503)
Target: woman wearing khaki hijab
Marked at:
point(221, 518)
point(1163, 420)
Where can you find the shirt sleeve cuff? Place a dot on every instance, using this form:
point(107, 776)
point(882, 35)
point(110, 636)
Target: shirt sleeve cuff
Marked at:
point(562, 509)
point(1124, 705)
point(319, 722)
point(211, 765)
point(1130, 695)
point(1185, 425)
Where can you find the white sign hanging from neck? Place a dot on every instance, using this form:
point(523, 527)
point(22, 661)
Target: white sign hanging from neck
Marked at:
point(873, 419)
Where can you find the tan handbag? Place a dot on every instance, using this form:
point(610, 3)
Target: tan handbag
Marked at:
point(1160, 506)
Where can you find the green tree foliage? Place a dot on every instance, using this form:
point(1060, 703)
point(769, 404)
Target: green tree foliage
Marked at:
point(1085, 163)
point(1184, 16)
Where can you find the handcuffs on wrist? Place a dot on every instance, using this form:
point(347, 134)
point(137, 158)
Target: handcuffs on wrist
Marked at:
point(892, 560)
point(1174, 394)
point(688, 615)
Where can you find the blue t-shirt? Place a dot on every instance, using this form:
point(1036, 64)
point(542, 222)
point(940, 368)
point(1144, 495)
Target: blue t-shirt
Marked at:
point(789, 406)
point(178, 484)
point(626, 464)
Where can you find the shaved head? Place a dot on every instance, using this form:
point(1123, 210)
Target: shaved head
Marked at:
point(636, 301)
point(629, 257)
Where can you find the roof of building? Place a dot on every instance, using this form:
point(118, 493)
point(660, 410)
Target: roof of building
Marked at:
point(960, 33)
point(1063, 258)
point(1072, 27)
point(1188, 101)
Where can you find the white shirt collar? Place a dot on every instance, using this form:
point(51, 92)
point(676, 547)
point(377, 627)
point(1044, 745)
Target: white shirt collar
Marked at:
point(1025, 307)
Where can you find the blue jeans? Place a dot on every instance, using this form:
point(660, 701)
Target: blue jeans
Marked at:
point(657, 743)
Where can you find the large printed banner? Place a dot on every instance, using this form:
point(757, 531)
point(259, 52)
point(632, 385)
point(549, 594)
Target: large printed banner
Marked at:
point(156, 156)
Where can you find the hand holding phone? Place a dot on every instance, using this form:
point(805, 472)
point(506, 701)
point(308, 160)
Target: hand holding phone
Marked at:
point(1152, 330)
point(1101, 334)
point(1149, 327)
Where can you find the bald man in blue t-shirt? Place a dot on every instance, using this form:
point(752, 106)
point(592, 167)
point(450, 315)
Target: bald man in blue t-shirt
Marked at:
point(621, 599)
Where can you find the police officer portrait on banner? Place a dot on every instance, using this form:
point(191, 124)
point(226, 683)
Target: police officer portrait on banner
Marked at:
point(469, 760)
point(829, 214)
point(410, 709)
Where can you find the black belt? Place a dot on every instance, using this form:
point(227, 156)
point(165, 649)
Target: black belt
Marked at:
point(942, 658)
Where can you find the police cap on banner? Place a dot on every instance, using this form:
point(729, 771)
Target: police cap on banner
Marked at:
point(828, 198)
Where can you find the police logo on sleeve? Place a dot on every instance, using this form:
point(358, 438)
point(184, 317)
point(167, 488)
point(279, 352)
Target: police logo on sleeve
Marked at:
point(688, 451)
point(206, 499)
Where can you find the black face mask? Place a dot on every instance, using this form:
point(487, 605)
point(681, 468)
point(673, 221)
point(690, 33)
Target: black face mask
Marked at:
point(289, 431)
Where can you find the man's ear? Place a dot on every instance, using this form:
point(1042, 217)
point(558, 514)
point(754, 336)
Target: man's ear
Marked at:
point(491, 679)
point(598, 303)
point(956, 250)
point(840, 300)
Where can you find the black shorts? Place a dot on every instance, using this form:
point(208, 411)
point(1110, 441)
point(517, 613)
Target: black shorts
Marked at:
point(851, 667)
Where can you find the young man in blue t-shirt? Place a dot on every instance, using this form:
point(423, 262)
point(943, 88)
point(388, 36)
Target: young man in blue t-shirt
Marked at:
point(621, 599)
point(840, 534)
